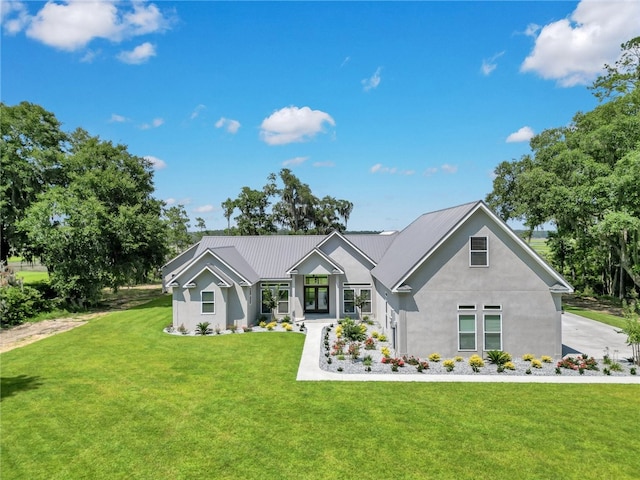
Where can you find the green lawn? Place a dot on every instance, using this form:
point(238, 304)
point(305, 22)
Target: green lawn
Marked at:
point(32, 277)
point(606, 318)
point(119, 399)
point(540, 246)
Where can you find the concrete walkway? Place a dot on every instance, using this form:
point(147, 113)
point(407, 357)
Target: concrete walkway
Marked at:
point(579, 336)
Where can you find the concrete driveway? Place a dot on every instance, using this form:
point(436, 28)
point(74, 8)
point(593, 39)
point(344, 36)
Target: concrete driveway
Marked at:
point(581, 335)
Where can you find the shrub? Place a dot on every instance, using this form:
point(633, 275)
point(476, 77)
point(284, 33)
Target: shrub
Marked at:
point(449, 365)
point(287, 327)
point(498, 357)
point(385, 351)
point(262, 324)
point(411, 360)
point(367, 361)
point(247, 328)
point(546, 359)
point(435, 357)
point(338, 347)
point(528, 371)
point(182, 329)
point(527, 357)
point(286, 319)
point(509, 366)
point(354, 350)
point(271, 325)
point(575, 363)
point(203, 328)
point(341, 357)
point(353, 332)
point(18, 304)
point(535, 363)
point(458, 358)
point(369, 344)
point(232, 327)
point(374, 334)
point(476, 361)
point(615, 367)
point(382, 338)
point(632, 370)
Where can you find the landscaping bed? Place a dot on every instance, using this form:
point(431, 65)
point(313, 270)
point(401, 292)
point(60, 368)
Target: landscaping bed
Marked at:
point(374, 354)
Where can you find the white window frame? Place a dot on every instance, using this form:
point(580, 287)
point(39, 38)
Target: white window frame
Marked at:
point(484, 330)
point(466, 306)
point(492, 307)
point(485, 251)
point(282, 287)
point(204, 302)
point(475, 332)
point(357, 290)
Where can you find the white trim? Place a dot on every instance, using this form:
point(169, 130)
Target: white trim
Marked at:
point(481, 205)
point(485, 251)
point(492, 307)
point(467, 306)
point(223, 282)
point(484, 330)
point(179, 255)
point(351, 244)
point(475, 332)
point(209, 252)
point(208, 302)
point(294, 268)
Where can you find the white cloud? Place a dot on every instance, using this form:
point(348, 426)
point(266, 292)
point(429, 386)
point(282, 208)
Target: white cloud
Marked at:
point(373, 81)
point(170, 201)
point(447, 168)
point(14, 16)
point(231, 126)
point(73, 24)
point(156, 162)
point(204, 209)
point(138, 55)
point(345, 61)
point(293, 124)
point(197, 111)
point(430, 171)
point(574, 50)
point(326, 164)
point(523, 135)
point(489, 64)
point(294, 161)
point(115, 118)
point(380, 168)
point(155, 123)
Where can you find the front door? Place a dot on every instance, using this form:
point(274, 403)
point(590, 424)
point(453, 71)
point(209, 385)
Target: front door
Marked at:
point(316, 299)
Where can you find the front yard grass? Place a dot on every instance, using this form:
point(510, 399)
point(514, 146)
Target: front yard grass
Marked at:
point(606, 318)
point(118, 398)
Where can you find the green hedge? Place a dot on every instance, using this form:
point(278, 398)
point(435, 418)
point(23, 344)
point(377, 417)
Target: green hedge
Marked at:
point(18, 304)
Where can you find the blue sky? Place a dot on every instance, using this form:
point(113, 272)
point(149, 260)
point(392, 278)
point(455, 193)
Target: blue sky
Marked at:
point(401, 108)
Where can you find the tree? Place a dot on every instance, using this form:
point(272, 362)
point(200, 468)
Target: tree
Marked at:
point(296, 211)
point(98, 226)
point(200, 224)
point(584, 179)
point(177, 223)
point(32, 148)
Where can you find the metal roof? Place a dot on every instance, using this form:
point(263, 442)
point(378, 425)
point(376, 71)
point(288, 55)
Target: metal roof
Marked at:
point(413, 243)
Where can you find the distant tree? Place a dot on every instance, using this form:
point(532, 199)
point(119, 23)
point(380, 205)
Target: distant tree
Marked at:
point(200, 224)
point(623, 76)
point(177, 222)
point(296, 210)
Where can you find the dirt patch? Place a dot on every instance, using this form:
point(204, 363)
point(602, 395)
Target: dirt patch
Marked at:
point(31, 332)
point(592, 303)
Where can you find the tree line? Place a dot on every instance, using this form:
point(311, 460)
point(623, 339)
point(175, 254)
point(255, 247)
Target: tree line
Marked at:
point(584, 178)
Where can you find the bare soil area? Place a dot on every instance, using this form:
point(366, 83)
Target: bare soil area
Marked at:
point(31, 332)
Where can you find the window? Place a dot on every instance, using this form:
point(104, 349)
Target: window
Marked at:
point(208, 302)
point(468, 306)
point(316, 280)
point(479, 251)
point(492, 307)
point(282, 290)
point(466, 332)
point(349, 295)
point(493, 332)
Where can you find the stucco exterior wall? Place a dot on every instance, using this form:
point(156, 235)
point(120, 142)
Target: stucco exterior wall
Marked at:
point(530, 313)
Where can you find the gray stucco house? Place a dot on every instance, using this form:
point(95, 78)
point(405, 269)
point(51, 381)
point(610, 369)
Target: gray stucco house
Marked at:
point(456, 281)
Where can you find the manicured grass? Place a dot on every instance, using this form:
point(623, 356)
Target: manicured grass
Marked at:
point(117, 398)
point(606, 318)
point(540, 246)
point(31, 277)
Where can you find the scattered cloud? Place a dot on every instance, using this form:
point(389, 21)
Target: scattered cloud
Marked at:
point(489, 64)
point(447, 168)
point(523, 135)
point(72, 24)
point(170, 201)
point(293, 124)
point(197, 111)
point(138, 55)
point(156, 162)
point(380, 168)
point(430, 171)
point(14, 17)
point(294, 161)
point(155, 123)
point(115, 118)
point(90, 55)
point(532, 29)
point(204, 209)
point(373, 81)
point(231, 126)
point(345, 61)
point(573, 50)
point(327, 164)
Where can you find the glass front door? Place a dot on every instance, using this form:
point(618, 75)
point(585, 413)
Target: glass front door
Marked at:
point(316, 299)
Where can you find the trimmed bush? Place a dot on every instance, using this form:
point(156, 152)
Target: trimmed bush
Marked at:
point(18, 304)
